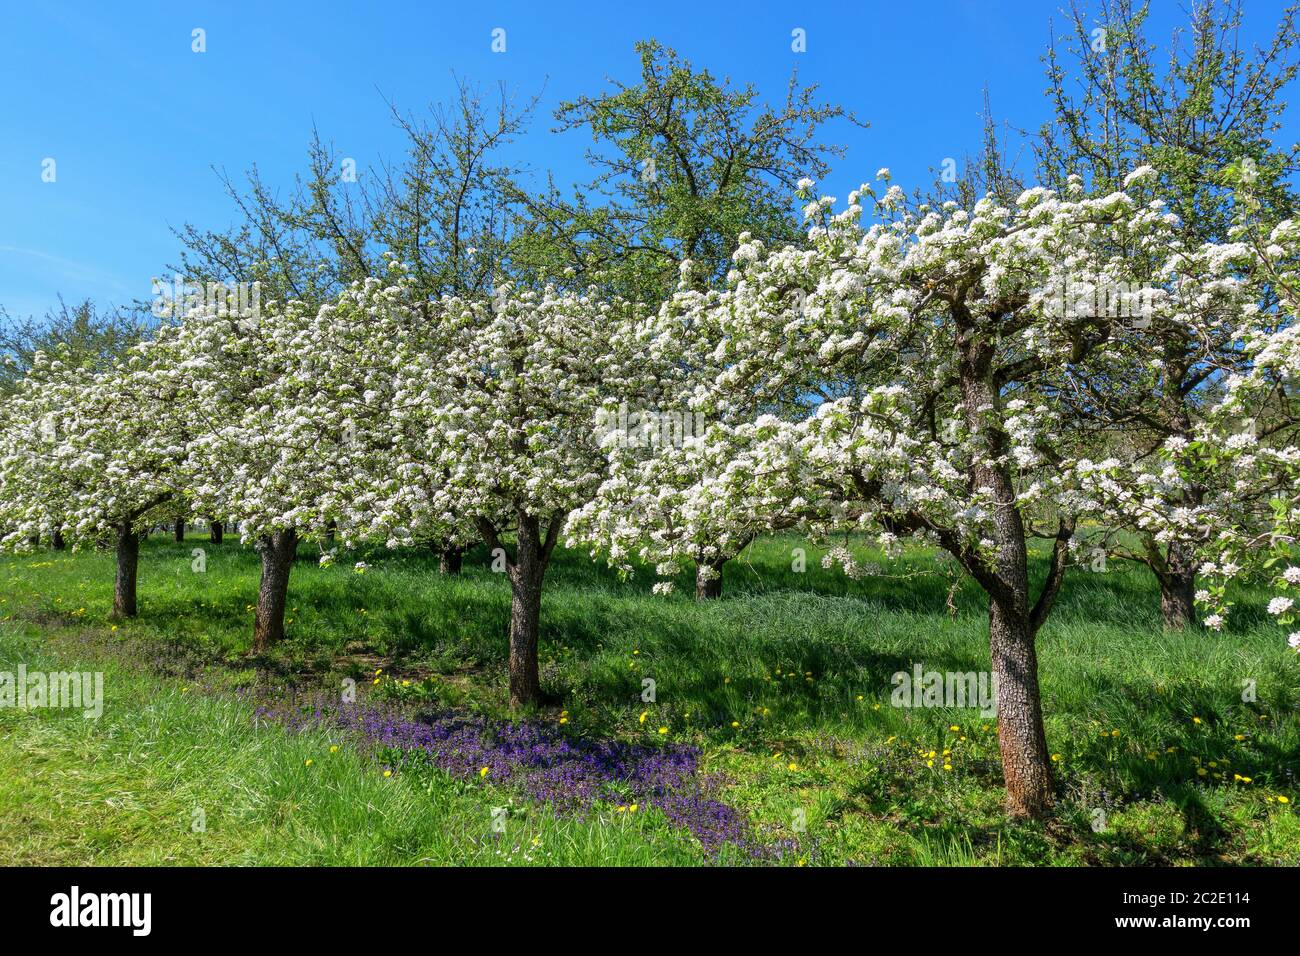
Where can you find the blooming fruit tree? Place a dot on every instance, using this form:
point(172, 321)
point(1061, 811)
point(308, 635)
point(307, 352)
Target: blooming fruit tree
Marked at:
point(1250, 443)
point(908, 374)
point(504, 433)
point(91, 454)
point(655, 440)
point(290, 412)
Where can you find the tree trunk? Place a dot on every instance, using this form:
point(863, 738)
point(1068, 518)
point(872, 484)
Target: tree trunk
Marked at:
point(330, 529)
point(1178, 599)
point(34, 541)
point(1021, 738)
point(180, 529)
point(215, 531)
point(277, 551)
point(56, 540)
point(128, 564)
point(1176, 572)
point(450, 559)
point(708, 579)
point(525, 615)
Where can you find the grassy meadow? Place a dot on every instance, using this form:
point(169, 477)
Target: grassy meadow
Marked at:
point(783, 685)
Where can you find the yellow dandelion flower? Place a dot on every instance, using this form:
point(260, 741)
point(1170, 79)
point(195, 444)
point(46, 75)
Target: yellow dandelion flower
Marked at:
point(483, 772)
point(663, 730)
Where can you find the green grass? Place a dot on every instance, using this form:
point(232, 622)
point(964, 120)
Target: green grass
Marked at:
point(170, 776)
point(800, 663)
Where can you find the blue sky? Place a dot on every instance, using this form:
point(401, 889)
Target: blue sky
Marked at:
point(135, 120)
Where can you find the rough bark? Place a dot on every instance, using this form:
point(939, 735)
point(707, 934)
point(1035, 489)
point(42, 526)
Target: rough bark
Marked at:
point(708, 586)
point(277, 551)
point(450, 560)
point(56, 540)
point(1176, 572)
point(180, 529)
point(128, 564)
point(215, 531)
point(1013, 625)
point(330, 530)
point(526, 574)
point(1021, 738)
point(1178, 599)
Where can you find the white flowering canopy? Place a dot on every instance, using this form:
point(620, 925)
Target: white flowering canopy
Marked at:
point(84, 452)
point(890, 372)
point(1250, 445)
point(293, 410)
point(505, 403)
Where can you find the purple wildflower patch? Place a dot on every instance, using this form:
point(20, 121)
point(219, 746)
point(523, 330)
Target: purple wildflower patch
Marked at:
point(571, 774)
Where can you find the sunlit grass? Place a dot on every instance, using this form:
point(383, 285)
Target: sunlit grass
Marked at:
point(1162, 755)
